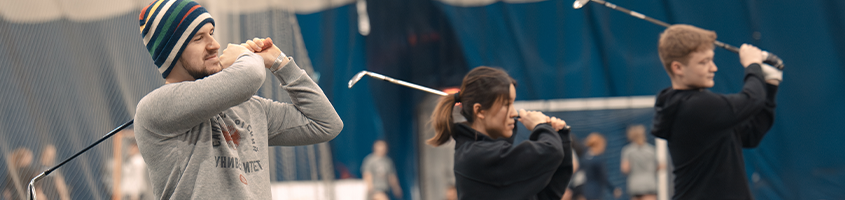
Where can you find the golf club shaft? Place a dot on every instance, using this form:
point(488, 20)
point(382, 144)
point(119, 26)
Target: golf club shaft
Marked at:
point(632, 13)
point(770, 58)
point(32, 182)
point(401, 82)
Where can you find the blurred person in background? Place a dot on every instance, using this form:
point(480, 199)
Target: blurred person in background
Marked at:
point(20, 172)
point(593, 165)
point(575, 190)
point(488, 165)
point(639, 162)
point(570, 190)
point(380, 196)
point(451, 193)
point(134, 180)
point(380, 173)
point(53, 186)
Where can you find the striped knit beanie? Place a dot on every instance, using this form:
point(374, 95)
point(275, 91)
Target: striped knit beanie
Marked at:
point(167, 26)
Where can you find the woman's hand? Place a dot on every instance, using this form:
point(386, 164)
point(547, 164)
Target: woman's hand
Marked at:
point(531, 118)
point(558, 123)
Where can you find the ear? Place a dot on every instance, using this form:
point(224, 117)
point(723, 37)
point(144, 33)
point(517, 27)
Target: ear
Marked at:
point(476, 110)
point(676, 68)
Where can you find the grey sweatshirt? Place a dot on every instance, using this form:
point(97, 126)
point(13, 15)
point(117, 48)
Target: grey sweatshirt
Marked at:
point(208, 139)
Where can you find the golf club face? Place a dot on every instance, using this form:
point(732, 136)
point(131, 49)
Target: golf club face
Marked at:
point(357, 78)
point(579, 3)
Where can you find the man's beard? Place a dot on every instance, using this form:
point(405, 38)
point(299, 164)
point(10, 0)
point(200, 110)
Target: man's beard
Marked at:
point(197, 72)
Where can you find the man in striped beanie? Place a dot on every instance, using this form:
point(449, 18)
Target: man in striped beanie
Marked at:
point(204, 134)
point(169, 26)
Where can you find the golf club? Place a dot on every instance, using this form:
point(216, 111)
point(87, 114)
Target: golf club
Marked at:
point(361, 74)
point(769, 58)
point(32, 182)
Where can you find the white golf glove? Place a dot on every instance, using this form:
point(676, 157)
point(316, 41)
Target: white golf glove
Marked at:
point(771, 73)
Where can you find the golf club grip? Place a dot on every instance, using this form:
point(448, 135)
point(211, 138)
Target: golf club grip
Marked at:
point(773, 60)
point(770, 58)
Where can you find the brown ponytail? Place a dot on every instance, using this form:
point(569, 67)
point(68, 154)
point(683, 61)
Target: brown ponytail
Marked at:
point(442, 120)
point(482, 85)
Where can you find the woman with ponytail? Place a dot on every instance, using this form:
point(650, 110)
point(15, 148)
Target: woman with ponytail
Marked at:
point(487, 163)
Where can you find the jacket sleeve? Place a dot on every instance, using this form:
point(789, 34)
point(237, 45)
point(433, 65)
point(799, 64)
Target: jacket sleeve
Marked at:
point(310, 119)
point(560, 180)
point(174, 108)
point(752, 131)
point(727, 111)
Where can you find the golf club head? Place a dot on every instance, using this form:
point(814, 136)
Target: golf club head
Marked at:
point(357, 78)
point(579, 3)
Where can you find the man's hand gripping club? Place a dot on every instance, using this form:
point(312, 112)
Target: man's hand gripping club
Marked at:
point(273, 56)
point(750, 54)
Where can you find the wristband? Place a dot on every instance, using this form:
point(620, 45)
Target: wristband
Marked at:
point(278, 62)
